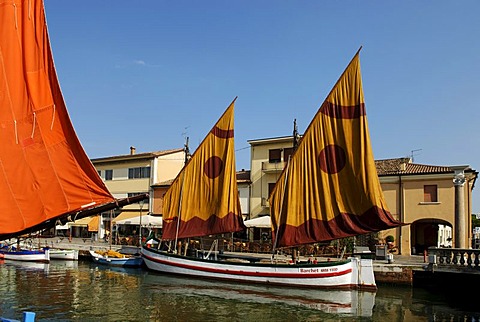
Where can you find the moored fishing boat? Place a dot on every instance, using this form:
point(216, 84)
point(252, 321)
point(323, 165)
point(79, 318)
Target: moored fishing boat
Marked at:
point(114, 258)
point(348, 273)
point(26, 255)
point(328, 190)
point(63, 254)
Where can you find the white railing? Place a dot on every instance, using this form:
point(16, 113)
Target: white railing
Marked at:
point(459, 257)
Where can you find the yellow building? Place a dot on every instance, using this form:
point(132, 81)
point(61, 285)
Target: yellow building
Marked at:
point(135, 173)
point(434, 201)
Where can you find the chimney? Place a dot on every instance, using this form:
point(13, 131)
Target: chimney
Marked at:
point(132, 150)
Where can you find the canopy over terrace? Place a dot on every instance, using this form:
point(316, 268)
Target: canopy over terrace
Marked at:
point(259, 222)
point(88, 222)
point(133, 218)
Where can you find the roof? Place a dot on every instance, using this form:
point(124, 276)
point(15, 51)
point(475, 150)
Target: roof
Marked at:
point(166, 183)
point(243, 176)
point(404, 166)
point(278, 139)
point(137, 156)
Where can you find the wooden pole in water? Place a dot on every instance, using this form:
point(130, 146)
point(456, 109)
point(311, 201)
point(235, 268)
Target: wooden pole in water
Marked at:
point(111, 231)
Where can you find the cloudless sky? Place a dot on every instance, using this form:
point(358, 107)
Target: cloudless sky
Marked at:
point(151, 73)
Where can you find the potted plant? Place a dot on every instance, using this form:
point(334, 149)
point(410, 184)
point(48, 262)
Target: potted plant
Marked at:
point(390, 239)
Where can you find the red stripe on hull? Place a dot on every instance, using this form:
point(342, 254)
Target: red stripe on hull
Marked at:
point(246, 273)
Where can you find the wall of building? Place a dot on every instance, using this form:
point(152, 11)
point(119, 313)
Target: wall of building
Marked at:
point(168, 166)
point(259, 154)
point(244, 195)
point(405, 199)
point(157, 206)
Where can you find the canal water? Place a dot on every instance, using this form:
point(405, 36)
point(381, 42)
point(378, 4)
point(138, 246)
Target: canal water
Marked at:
point(84, 291)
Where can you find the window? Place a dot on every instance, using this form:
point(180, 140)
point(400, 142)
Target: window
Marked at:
point(274, 155)
point(139, 173)
point(430, 193)
point(287, 152)
point(99, 172)
point(271, 185)
point(108, 174)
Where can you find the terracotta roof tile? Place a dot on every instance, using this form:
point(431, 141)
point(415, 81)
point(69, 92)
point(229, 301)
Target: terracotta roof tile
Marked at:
point(138, 155)
point(243, 176)
point(404, 166)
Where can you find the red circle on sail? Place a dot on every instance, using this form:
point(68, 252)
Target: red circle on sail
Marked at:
point(332, 159)
point(213, 167)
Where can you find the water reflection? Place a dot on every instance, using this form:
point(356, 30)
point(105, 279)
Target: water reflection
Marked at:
point(346, 302)
point(83, 291)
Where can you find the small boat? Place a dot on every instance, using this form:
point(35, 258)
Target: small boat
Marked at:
point(27, 317)
point(328, 190)
point(64, 254)
point(26, 255)
point(114, 258)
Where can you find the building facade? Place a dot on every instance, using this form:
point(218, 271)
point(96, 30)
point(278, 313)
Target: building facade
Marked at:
point(136, 173)
point(434, 202)
point(268, 157)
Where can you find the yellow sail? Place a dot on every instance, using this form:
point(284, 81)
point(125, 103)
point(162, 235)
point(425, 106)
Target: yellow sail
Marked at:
point(330, 188)
point(203, 199)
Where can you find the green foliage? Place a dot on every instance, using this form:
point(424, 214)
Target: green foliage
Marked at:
point(475, 222)
point(348, 242)
point(389, 239)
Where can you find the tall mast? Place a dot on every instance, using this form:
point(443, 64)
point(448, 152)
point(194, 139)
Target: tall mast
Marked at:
point(187, 151)
point(295, 135)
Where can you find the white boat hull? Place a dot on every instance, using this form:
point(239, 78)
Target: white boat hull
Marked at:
point(353, 273)
point(26, 255)
point(64, 254)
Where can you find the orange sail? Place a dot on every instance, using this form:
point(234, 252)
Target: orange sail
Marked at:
point(44, 172)
point(330, 188)
point(203, 199)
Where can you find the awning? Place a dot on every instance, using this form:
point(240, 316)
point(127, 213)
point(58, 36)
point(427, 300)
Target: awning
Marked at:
point(147, 221)
point(126, 215)
point(90, 222)
point(81, 222)
point(93, 223)
point(259, 222)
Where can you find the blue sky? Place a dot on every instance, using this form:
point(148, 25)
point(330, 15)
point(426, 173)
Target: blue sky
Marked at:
point(150, 73)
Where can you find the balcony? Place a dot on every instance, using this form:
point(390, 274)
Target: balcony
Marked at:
point(265, 202)
point(272, 167)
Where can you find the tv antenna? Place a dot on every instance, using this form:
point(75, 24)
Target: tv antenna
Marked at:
point(413, 153)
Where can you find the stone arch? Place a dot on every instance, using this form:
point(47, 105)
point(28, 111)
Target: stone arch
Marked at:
point(430, 232)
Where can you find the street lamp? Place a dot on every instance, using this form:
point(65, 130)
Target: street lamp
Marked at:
point(140, 223)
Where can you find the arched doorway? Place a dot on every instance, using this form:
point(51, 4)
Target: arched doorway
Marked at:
point(430, 232)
